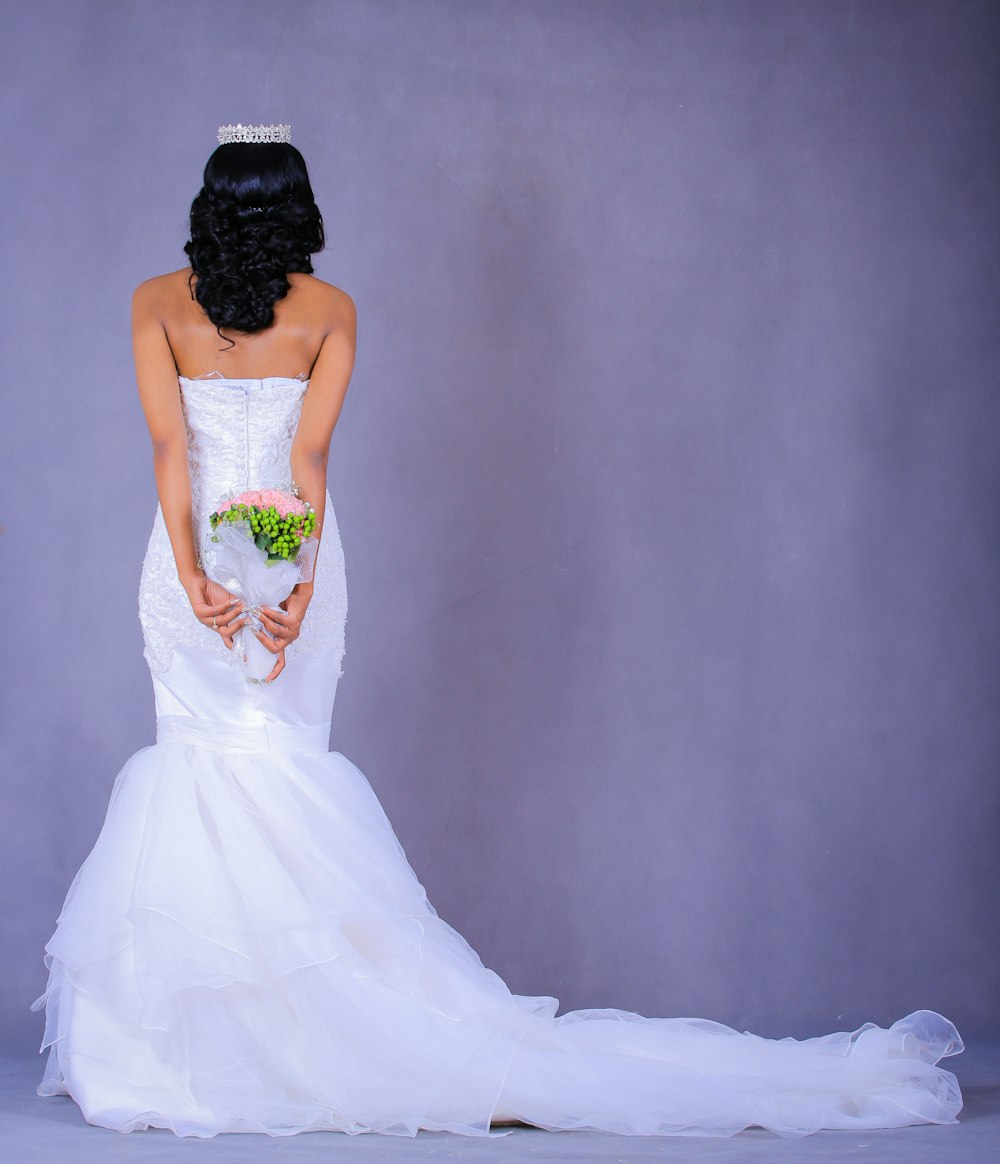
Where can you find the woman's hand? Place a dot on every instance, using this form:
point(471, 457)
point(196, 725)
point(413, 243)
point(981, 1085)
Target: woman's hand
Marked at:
point(282, 624)
point(214, 606)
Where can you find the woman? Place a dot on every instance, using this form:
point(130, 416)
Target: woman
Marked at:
point(246, 947)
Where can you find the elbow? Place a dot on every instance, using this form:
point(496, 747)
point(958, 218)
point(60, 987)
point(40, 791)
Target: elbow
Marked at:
point(312, 459)
point(167, 448)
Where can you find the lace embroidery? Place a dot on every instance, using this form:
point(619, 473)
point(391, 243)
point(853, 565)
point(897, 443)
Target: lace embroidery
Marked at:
point(238, 438)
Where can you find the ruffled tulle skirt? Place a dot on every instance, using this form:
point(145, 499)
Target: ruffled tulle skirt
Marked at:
point(247, 949)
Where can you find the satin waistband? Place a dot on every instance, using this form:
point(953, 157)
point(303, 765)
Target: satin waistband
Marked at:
point(230, 737)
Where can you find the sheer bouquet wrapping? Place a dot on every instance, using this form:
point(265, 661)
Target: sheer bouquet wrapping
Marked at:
point(260, 549)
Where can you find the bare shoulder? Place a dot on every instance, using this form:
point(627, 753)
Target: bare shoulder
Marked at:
point(332, 302)
point(158, 292)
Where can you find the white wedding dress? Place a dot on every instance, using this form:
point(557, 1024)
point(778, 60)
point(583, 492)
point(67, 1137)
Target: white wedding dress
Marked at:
point(247, 949)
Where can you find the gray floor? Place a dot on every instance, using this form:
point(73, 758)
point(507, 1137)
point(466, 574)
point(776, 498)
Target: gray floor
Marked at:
point(37, 1128)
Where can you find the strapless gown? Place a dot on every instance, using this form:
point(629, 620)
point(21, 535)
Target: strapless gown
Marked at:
point(247, 949)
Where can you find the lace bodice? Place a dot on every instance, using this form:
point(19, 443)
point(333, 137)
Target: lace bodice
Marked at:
point(240, 434)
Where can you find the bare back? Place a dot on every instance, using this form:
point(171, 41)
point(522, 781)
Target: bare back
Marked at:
point(303, 319)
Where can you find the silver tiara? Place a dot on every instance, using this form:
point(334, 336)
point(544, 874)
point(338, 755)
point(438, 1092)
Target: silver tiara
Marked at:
point(238, 132)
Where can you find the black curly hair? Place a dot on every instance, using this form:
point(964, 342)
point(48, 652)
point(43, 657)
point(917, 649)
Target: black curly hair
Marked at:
point(253, 221)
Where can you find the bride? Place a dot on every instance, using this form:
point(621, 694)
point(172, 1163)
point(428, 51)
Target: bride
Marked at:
point(246, 948)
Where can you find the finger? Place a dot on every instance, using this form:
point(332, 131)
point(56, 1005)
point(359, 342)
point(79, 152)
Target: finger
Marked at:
point(277, 612)
point(286, 628)
point(278, 667)
point(275, 615)
point(227, 616)
point(218, 622)
point(229, 604)
point(228, 632)
point(274, 645)
point(206, 610)
point(274, 624)
point(216, 593)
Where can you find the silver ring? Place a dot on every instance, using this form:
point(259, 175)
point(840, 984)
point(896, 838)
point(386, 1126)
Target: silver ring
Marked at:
point(215, 625)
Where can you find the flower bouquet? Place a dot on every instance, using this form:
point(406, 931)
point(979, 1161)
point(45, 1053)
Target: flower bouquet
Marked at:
point(260, 549)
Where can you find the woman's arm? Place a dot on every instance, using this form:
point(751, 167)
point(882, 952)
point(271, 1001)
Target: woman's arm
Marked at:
point(156, 376)
point(321, 409)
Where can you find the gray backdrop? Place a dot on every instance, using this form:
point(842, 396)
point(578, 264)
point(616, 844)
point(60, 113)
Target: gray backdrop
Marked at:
point(667, 477)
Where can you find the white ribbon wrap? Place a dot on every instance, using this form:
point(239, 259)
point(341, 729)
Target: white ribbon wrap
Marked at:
point(238, 564)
